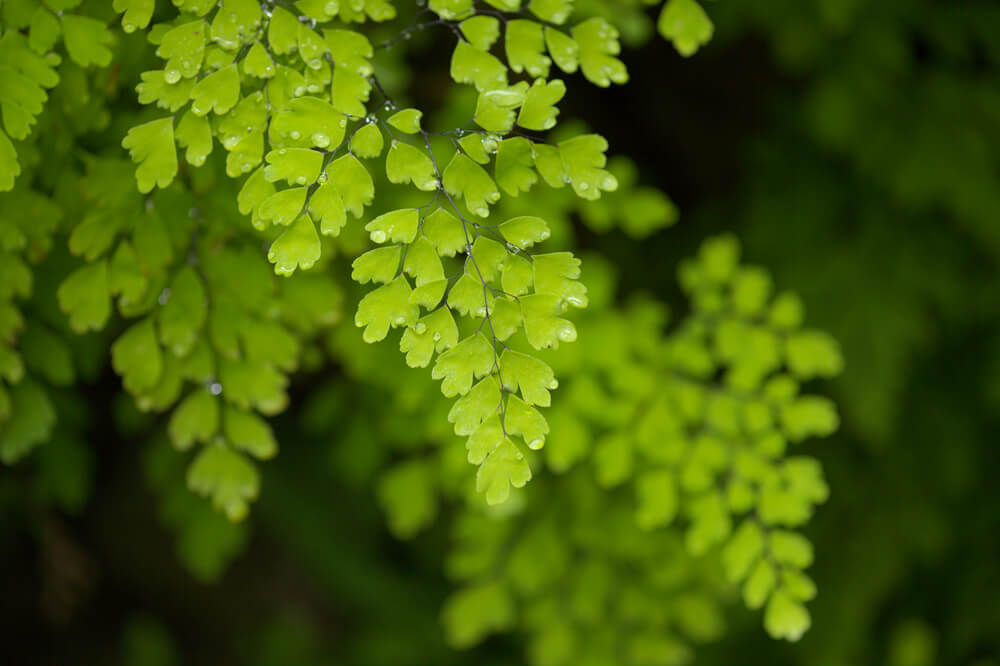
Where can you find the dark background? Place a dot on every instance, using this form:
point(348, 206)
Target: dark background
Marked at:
point(853, 147)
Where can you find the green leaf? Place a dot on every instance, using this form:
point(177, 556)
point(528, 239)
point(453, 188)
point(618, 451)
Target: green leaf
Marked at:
point(481, 31)
point(297, 247)
point(182, 316)
point(84, 296)
point(350, 91)
point(583, 160)
point(556, 274)
point(478, 68)
point(477, 611)
point(813, 354)
point(30, 423)
point(284, 207)
point(406, 164)
point(9, 166)
point(282, 31)
point(435, 332)
point(86, 40)
point(44, 31)
point(598, 44)
point(351, 50)
point(787, 311)
point(759, 584)
point(522, 419)
point(657, 499)
point(785, 617)
point(378, 265)
point(255, 191)
point(472, 144)
point(258, 62)
point(450, 9)
point(226, 477)
point(524, 231)
point(196, 419)
point(235, 23)
point(183, 48)
point(195, 133)
point(472, 357)
point(151, 145)
point(504, 467)
point(135, 13)
point(406, 121)
point(250, 433)
point(46, 355)
point(516, 275)
point(354, 183)
point(798, 585)
point(555, 11)
point(809, 416)
point(397, 226)
point(539, 111)
point(542, 325)
point(686, 24)
point(513, 166)
point(791, 549)
point(307, 122)
point(367, 141)
point(468, 296)
point(475, 406)
point(422, 262)
point(136, 356)
point(446, 232)
point(564, 50)
point(496, 109)
point(463, 177)
point(525, 45)
point(429, 294)
point(532, 376)
point(742, 551)
point(489, 256)
point(218, 92)
point(387, 306)
point(327, 207)
point(408, 493)
point(296, 166)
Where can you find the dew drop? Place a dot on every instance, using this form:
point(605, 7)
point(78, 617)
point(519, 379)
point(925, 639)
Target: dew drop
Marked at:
point(321, 140)
point(378, 236)
point(295, 134)
point(567, 333)
point(172, 76)
point(301, 180)
point(299, 91)
point(164, 296)
point(436, 336)
point(536, 444)
point(554, 384)
point(420, 328)
point(215, 388)
point(575, 300)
